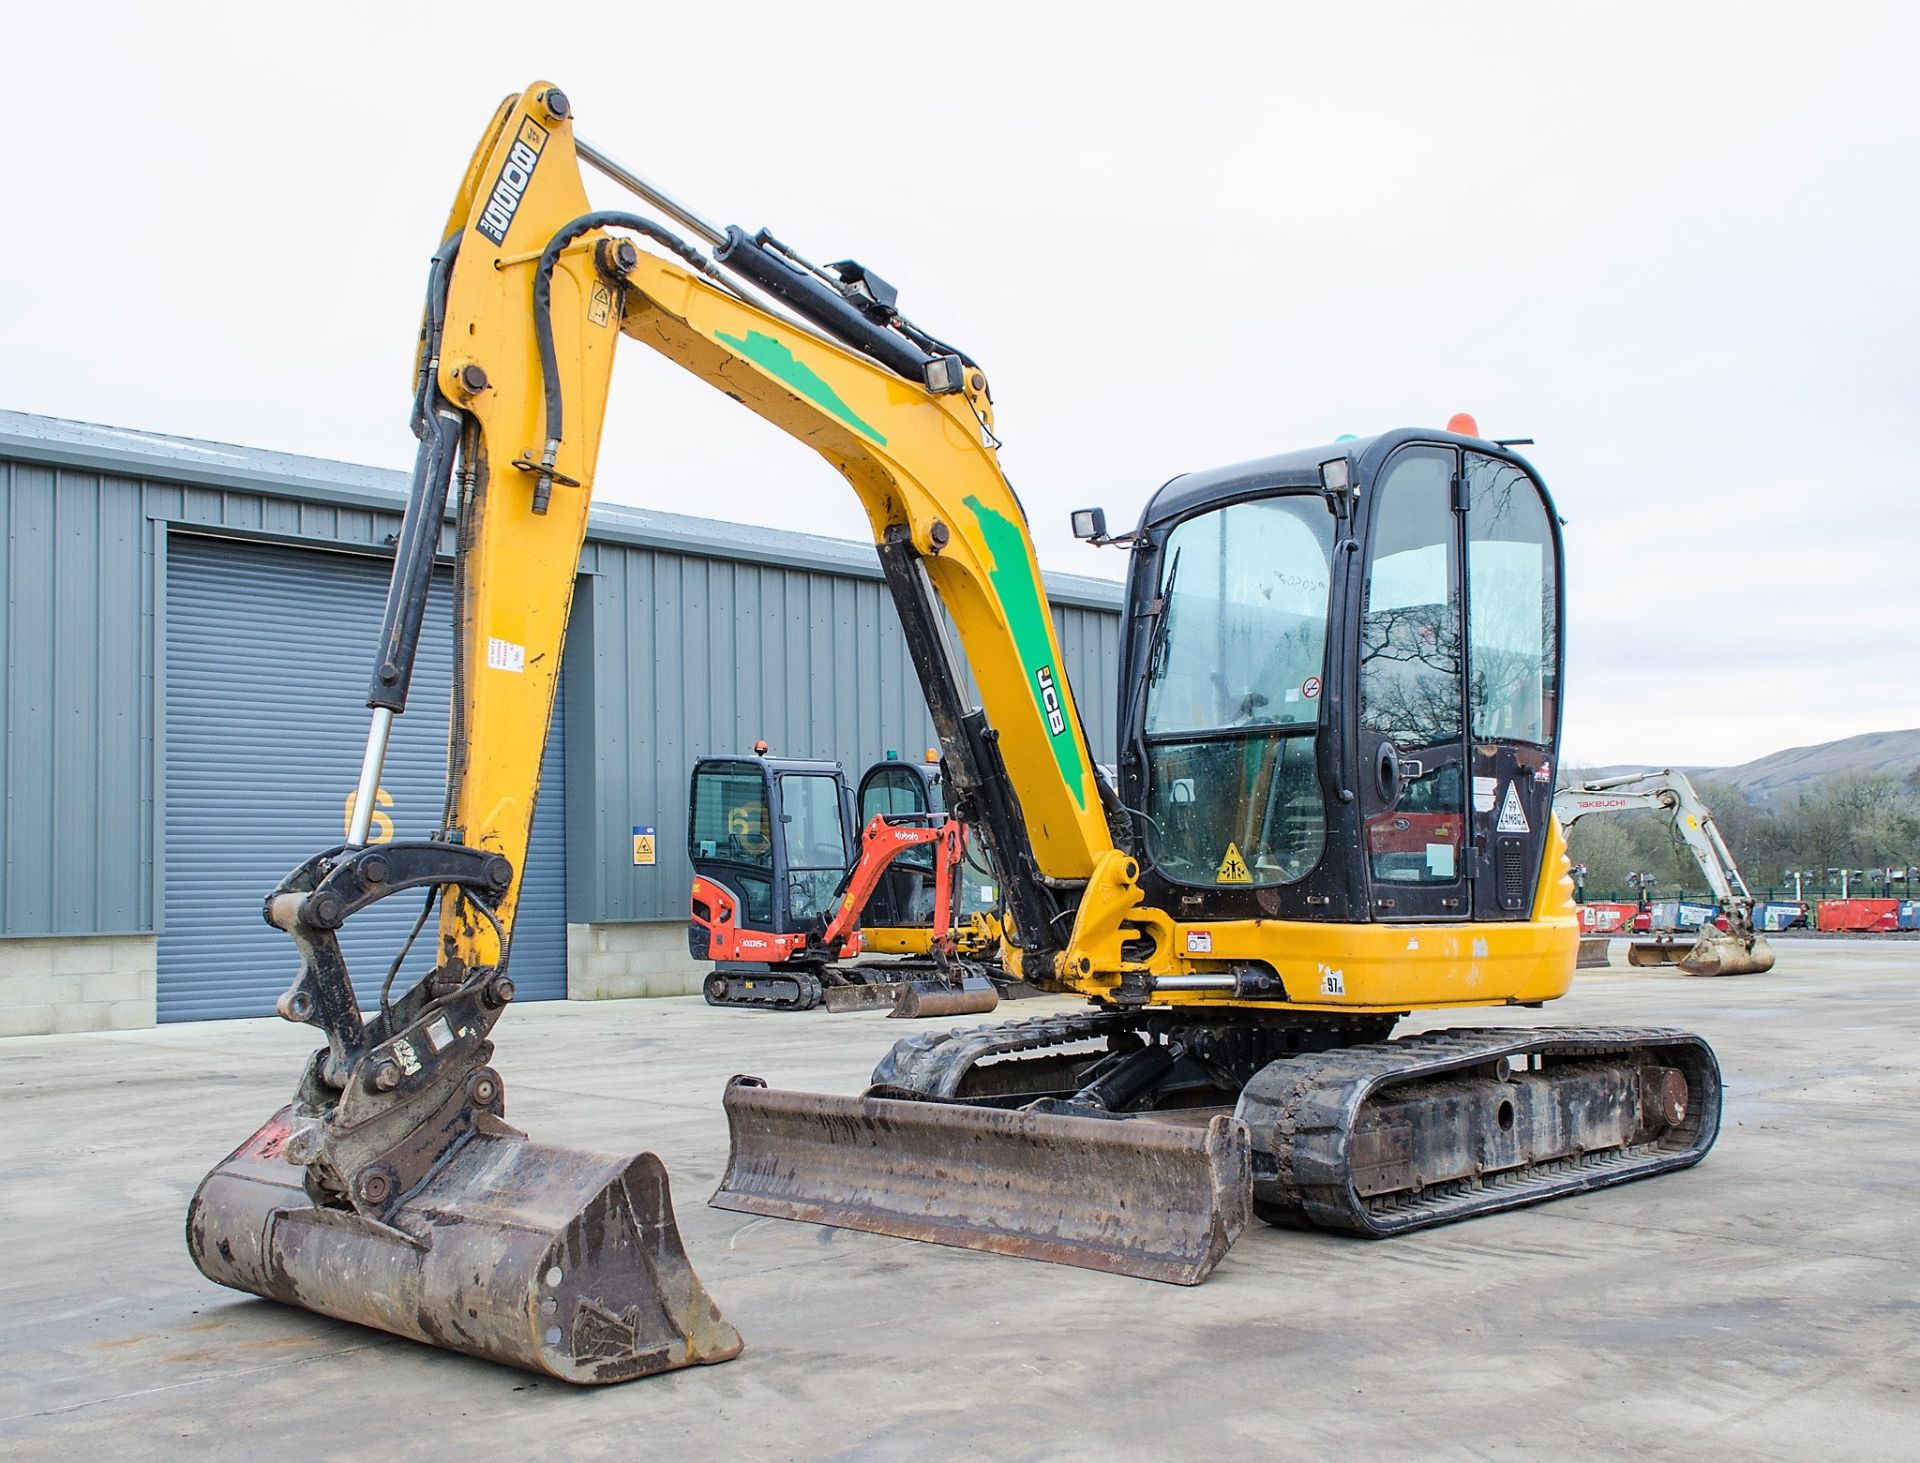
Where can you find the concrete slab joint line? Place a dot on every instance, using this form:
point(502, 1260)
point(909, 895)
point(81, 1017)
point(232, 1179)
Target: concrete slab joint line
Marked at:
point(76, 983)
point(627, 960)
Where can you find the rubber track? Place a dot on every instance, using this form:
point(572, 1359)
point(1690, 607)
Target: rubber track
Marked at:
point(935, 1063)
point(1301, 1112)
point(719, 984)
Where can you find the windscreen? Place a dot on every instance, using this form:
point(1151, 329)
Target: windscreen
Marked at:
point(816, 842)
point(1235, 676)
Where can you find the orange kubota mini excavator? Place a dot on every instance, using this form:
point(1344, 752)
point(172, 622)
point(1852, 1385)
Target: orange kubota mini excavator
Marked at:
point(790, 887)
point(1322, 652)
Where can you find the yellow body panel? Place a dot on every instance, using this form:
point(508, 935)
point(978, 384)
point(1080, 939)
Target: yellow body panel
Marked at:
point(920, 463)
point(518, 573)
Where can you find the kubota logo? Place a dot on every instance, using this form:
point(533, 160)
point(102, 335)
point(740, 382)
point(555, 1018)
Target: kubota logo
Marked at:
point(511, 186)
point(1050, 700)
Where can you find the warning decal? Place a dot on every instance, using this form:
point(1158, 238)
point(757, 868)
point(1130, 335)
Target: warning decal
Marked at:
point(1233, 868)
point(1513, 817)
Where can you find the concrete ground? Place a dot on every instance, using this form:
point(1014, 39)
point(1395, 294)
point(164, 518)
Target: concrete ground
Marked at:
point(1763, 1305)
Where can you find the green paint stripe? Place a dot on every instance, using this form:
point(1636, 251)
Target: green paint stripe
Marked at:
point(1013, 580)
point(772, 356)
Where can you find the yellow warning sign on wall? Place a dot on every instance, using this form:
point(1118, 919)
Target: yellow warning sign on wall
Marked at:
point(1233, 868)
point(643, 845)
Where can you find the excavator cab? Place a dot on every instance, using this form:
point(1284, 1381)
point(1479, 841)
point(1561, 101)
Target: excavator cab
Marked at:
point(1351, 651)
point(896, 788)
point(776, 833)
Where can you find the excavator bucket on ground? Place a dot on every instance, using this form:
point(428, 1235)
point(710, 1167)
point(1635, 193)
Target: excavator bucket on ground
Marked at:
point(973, 994)
point(1160, 1200)
point(544, 1258)
point(1715, 952)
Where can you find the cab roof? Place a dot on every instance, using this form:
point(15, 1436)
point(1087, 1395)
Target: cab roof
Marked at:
point(1298, 469)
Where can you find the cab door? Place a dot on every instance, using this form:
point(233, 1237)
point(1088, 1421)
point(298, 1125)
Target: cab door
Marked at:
point(816, 842)
point(904, 895)
point(1412, 771)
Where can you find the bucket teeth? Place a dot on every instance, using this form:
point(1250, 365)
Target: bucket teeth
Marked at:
point(539, 1257)
point(1159, 1200)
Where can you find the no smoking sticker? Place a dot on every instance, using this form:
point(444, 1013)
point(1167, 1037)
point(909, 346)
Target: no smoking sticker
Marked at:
point(1310, 687)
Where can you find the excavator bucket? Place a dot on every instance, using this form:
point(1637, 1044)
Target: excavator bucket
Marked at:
point(872, 995)
point(1162, 1200)
point(1715, 952)
point(972, 995)
point(544, 1258)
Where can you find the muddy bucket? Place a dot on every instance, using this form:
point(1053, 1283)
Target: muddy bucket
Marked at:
point(974, 995)
point(875, 995)
point(545, 1258)
point(1721, 954)
point(1131, 1196)
point(1713, 953)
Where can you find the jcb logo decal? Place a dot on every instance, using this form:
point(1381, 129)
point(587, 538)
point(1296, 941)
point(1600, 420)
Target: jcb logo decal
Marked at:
point(511, 186)
point(1050, 701)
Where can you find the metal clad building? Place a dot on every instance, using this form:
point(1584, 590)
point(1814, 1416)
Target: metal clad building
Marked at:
point(185, 628)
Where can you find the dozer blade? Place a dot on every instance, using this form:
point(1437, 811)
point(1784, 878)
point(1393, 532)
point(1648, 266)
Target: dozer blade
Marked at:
point(1160, 1200)
point(545, 1258)
point(875, 995)
point(1592, 954)
point(934, 997)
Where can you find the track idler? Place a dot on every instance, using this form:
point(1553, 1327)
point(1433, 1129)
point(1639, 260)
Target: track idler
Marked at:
point(549, 1259)
point(1163, 1201)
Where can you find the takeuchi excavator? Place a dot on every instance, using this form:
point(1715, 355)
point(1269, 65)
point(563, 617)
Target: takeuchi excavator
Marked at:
point(1326, 655)
point(1739, 949)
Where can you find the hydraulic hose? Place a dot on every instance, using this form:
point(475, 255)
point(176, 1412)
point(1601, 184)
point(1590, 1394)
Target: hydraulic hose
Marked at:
point(543, 312)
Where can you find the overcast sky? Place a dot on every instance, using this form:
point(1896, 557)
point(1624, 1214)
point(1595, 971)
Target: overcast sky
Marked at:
point(1676, 245)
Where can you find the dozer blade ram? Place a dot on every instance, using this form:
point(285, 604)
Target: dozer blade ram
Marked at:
point(1375, 1139)
point(392, 1192)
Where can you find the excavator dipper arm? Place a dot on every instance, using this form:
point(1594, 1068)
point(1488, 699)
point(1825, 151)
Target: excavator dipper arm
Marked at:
point(391, 1191)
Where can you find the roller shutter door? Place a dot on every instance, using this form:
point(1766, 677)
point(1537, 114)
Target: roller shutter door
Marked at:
point(267, 655)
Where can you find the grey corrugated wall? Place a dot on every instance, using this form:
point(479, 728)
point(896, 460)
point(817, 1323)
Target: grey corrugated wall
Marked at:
point(79, 577)
point(740, 640)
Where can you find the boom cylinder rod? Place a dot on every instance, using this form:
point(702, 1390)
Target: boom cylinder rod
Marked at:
point(634, 183)
point(371, 762)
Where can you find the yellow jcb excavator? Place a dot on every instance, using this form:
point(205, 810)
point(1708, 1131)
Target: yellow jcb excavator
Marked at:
point(1339, 710)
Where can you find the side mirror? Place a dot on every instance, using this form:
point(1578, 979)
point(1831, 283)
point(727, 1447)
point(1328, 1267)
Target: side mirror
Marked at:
point(1090, 523)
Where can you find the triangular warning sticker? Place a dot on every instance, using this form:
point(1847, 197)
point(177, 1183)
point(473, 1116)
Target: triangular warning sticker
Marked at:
point(1233, 868)
point(1513, 817)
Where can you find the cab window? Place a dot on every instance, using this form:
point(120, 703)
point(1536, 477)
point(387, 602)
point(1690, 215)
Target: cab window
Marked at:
point(1234, 683)
point(1513, 623)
